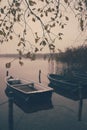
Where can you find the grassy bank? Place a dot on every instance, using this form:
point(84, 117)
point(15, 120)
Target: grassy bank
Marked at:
point(76, 55)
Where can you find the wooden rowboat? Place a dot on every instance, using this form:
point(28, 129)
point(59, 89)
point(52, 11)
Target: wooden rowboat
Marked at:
point(66, 82)
point(28, 90)
point(58, 80)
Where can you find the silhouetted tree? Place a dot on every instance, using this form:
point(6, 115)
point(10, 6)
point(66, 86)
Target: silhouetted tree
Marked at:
point(38, 22)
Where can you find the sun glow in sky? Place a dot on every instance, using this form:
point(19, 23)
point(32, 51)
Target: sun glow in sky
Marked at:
point(72, 37)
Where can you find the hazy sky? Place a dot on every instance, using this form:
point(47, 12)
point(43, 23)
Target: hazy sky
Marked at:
point(72, 37)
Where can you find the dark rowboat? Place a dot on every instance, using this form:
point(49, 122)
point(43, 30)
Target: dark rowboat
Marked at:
point(28, 90)
point(28, 107)
point(66, 82)
point(81, 76)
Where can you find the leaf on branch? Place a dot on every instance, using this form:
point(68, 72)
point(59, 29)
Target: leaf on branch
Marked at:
point(22, 39)
point(18, 17)
point(8, 65)
point(49, 10)
point(25, 31)
point(66, 1)
point(36, 40)
point(23, 44)
point(28, 15)
point(20, 57)
point(60, 38)
point(41, 49)
point(51, 46)
point(2, 11)
point(60, 15)
point(1, 41)
point(28, 54)
point(60, 34)
point(86, 3)
point(7, 28)
point(20, 52)
point(53, 25)
point(53, 9)
point(15, 19)
point(57, 21)
point(13, 11)
point(34, 9)
point(19, 43)
point(36, 49)
point(80, 9)
point(52, 19)
point(46, 27)
point(38, 9)
point(47, 1)
point(43, 43)
point(46, 13)
point(41, 15)
point(33, 19)
point(11, 37)
point(42, 0)
point(36, 34)
point(62, 26)
point(67, 18)
point(80, 3)
point(17, 4)
point(46, 39)
point(21, 63)
point(2, 32)
point(48, 31)
point(32, 3)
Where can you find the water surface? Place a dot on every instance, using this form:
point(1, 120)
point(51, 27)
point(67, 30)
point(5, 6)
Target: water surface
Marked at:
point(60, 115)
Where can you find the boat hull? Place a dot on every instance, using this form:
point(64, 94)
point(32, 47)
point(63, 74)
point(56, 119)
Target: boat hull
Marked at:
point(66, 82)
point(59, 81)
point(29, 93)
point(28, 107)
point(31, 98)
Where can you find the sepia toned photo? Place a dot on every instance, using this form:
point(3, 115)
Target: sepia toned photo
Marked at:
point(43, 65)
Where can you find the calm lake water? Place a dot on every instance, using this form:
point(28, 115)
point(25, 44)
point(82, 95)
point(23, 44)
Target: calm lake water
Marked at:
point(61, 114)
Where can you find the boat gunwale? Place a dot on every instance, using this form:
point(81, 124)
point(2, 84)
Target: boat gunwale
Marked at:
point(61, 81)
point(46, 89)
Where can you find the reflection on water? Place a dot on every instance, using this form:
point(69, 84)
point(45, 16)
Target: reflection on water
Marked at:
point(78, 94)
point(56, 66)
point(47, 116)
point(79, 77)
